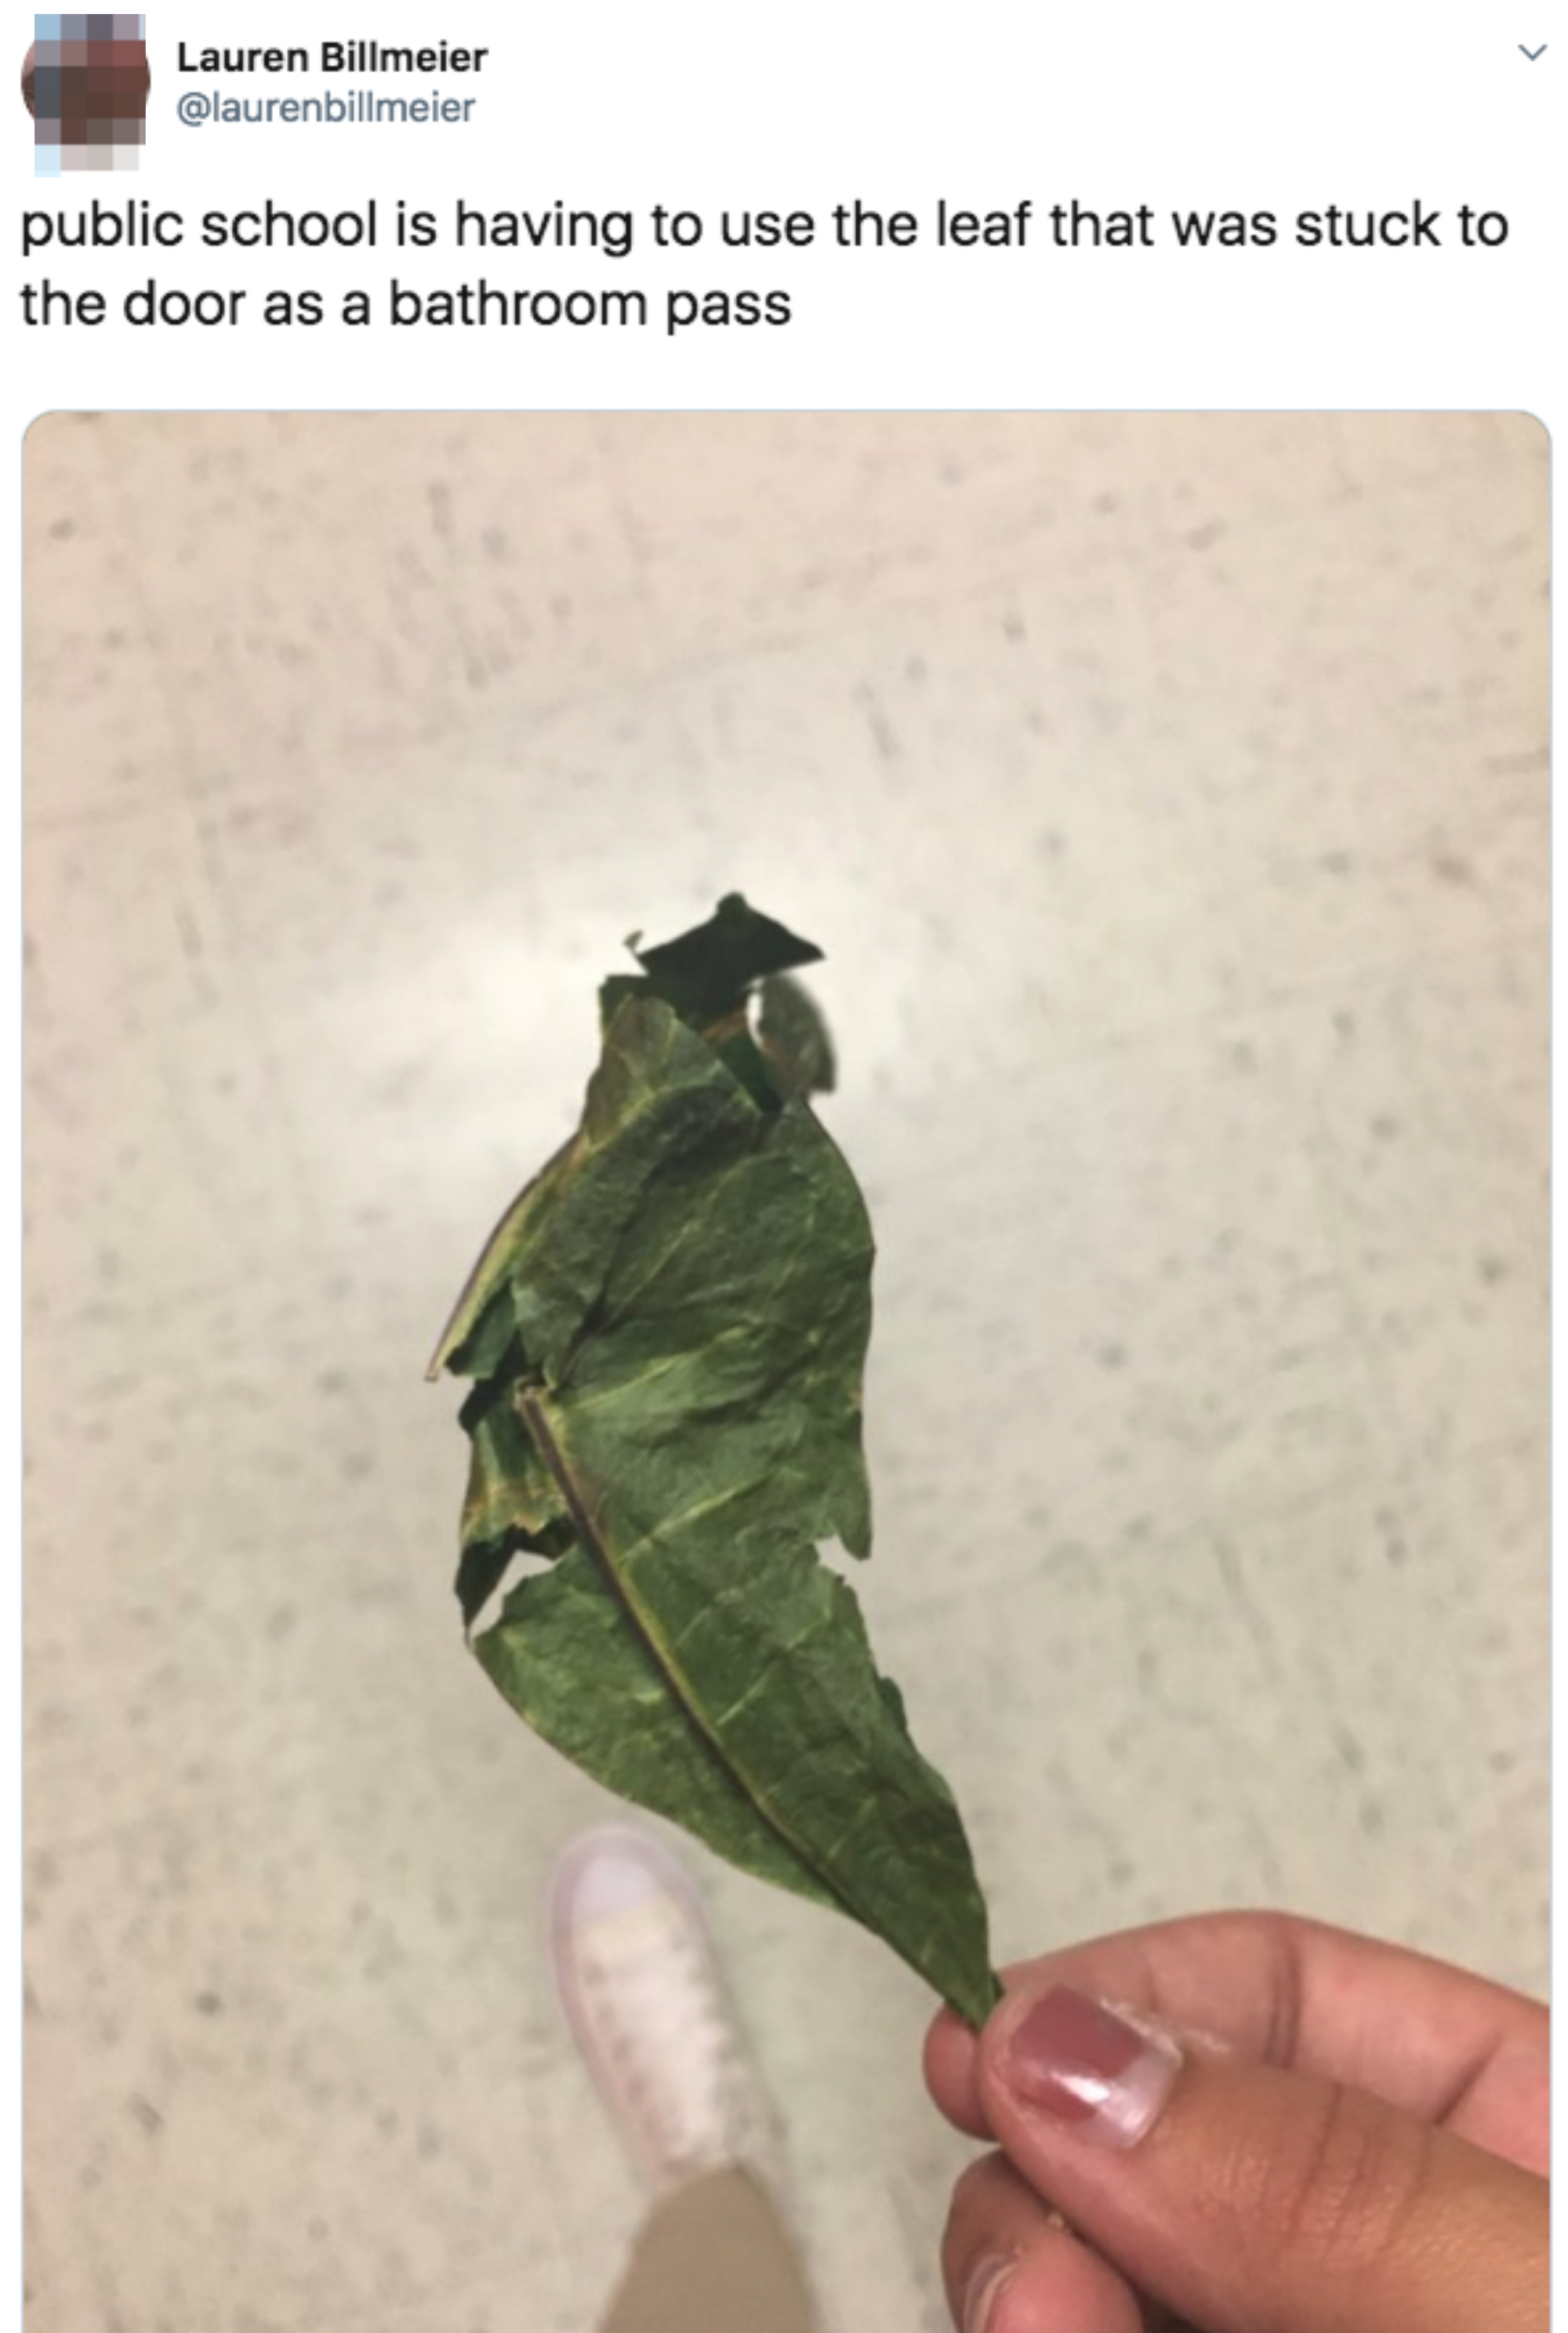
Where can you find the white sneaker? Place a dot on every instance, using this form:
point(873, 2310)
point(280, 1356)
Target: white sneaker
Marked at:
point(641, 1986)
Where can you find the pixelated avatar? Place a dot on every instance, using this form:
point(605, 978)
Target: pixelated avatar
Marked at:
point(85, 81)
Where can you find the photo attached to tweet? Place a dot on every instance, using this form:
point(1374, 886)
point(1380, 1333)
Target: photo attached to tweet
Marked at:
point(705, 1090)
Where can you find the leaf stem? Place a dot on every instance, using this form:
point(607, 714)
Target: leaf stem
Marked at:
point(593, 1539)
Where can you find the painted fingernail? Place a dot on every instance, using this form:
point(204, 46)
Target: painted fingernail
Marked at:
point(1090, 2069)
point(984, 2290)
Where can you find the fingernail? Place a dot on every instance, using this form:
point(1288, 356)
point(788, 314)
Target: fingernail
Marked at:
point(1090, 2069)
point(984, 2290)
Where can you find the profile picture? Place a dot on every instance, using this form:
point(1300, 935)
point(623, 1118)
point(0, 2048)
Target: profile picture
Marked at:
point(85, 83)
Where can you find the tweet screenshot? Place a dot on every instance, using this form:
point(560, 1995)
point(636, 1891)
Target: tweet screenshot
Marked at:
point(783, 1001)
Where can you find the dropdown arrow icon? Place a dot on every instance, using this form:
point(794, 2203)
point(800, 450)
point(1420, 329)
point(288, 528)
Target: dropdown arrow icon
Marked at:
point(1533, 53)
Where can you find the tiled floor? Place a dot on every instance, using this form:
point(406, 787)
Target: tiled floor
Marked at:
point(1171, 798)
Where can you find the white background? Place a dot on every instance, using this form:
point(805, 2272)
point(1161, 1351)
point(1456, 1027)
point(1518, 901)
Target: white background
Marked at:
point(736, 596)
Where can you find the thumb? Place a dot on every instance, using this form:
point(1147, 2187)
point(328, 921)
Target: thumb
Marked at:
point(1251, 2198)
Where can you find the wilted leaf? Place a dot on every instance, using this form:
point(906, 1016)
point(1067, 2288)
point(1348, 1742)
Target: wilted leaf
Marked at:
point(668, 1334)
point(795, 1037)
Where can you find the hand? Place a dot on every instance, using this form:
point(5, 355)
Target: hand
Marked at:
point(1281, 2128)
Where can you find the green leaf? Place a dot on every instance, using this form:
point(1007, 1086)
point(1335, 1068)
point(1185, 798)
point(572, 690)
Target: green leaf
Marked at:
point(668, 1333)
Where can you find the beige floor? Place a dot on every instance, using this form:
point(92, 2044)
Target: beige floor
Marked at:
point(1171, 798)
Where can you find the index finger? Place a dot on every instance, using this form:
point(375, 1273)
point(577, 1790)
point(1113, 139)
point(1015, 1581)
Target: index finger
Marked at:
point(1451, 2048)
